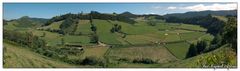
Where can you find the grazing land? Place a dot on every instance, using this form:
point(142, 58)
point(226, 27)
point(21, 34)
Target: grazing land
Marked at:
point(102, 40)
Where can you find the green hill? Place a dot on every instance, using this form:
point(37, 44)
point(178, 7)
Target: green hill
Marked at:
point(119, 43)
point(16, 56)
point(202, 13)
point(223, 55)
point(24, 23)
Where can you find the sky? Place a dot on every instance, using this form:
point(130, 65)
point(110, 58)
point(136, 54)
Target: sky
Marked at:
point(49, 10)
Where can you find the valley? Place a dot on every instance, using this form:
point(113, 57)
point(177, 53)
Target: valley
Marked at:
point(100, 41)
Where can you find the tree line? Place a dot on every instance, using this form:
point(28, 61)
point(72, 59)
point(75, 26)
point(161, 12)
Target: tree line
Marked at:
point(213, 24)
point(94, 15)
point(227, 35)
point(26, 38)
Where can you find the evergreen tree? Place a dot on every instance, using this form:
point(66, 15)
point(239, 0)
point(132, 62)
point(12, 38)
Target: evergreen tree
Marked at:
point(94, 38)
point(192, 51)
point(230, 32)
point(201, 45)
point(62, 41)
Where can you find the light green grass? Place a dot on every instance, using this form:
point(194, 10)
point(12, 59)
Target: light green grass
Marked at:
point(191, 35)
point(53, 26)
point(192, 27)
point(83, 27)
point(172, 37)
point(77, 39)
point(138, 28)
point(140, 39)
point(51, 38)
point(178, 49)
point(103, 32)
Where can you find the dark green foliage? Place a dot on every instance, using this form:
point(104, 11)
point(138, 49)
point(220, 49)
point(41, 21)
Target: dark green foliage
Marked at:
point(112, 30)
point(90, 61)
point(199, 48)
point(213, 24)
point(201, 45)
point(202, 13)
point(217, 40)
point(116, 28)
point(93, 28)
point(38, 45)
point(62, 41)
point(154, 16)
point(24, 38)
point(94, 38)
point(230, 32)
point(152, 22)
point(143, 60)
point(192, 51)
point(128, 14)
point(92, 15)
point(4, 22)
point(59, 18)
point(215, 43)
point(26, 22)
point(68, 26)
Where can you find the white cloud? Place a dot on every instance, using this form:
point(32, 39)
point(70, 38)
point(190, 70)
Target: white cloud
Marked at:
point(150, 13)
point(213, 7)
point(156, 7)
point(171, 8)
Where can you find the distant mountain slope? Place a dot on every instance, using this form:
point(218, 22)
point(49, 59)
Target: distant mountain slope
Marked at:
point(26, 21)
point(128, 14)
point(202, 13)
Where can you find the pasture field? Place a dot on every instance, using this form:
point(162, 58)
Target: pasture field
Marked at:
point(55, 25)
point(83, 27)
point(140, 39)
point(83, 40)
point(191, 35)
point(163, 43)
point(179, 49)
point(172, 37)
point(157, 53)
point(52, 39)
point(104, 33)
point(98, 52)
point(191, 27)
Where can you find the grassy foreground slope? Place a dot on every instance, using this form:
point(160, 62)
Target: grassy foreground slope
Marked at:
point(21, 57)
point(223, 55)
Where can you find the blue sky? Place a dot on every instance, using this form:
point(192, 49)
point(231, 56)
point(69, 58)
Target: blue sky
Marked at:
point(48, 10)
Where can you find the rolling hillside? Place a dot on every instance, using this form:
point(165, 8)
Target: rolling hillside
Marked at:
point(80, 40)
point(22, 57)
point(202, 13)
point(222, 55)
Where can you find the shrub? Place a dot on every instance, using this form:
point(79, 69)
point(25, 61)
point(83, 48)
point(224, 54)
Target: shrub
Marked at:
point(91, 61)
point(143, 60)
